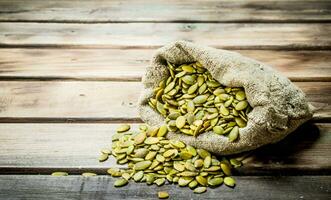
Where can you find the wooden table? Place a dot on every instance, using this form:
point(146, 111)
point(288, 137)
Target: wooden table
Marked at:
point(70, 72)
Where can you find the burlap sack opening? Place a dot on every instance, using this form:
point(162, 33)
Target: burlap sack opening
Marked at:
point(279, 107)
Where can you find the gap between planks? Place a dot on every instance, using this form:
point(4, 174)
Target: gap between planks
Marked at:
point(53, 147)
point(165, 11)
point(99, 101)
point(101, 187)
point(153, 35)
point(129, 65)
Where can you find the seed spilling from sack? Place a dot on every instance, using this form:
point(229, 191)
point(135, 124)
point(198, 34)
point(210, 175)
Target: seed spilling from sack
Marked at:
point(156, 160)
point(193, 102)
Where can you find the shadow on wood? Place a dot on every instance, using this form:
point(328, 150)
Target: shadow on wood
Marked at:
point(286, 154)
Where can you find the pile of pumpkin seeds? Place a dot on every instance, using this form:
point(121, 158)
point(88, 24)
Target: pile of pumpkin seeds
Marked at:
point(157, 160)
point(193, 102)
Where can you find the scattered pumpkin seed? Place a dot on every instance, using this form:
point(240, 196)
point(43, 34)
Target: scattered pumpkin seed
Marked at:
point(163, 195)
point(120, 182)
point(88, 174)
point(123, 128)
point(60, 174)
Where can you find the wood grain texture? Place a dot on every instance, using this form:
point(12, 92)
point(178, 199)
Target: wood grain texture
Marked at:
point(165, 11)
point(43, 148)
point(24, 101)
point(151, 35)
point(101, 187)
point(130, 64)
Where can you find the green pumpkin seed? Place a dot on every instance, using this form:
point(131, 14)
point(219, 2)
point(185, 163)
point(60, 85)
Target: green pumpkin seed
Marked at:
point(123, 128)
point(193, 184)
point(88, 174)
point(140, 138)
point(190, 106)
point(235, 162)
point(142, 165)
point(60, 174)
point(159, 181)
point(184, 181)
point(174, 115)
point(241, 123)
point(215, 181)
point(201, 180)
point(240, 95)
point(224, 110)
point(163, 130)
point(203, 153)
point(138, 176)
point(151, 140)
point(180, 122)
point(229, 181)
point(177, 144)
point(169, 153)
point(169, 87)
point(200, 99)
point(150, 155)
point(179, 167)
point(188, 79)
point(226, 169)
point(163, 195)
point(120, 182)
point(241, 105)
point(106, 151)
point(233, 135)
point(207, 162)
point(192, 89)
point(185, 155)
point(103, 157)
point(188, 68)
point(200, 190)
point(198, 163)
point(218, 130)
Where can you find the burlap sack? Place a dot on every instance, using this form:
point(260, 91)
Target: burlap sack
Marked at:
point(279, 107)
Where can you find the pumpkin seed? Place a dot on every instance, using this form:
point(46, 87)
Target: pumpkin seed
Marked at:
point(142, 165)
point(226, 169)
point(233, 135)
point(241, 105)
point(140, 138)
point(88, 174)
point(120, 182)
point(184, 181)
point(218, 130)
point(159, 181)
point(200, 99)
point(103, 157)
point(123, 128)
point(200, 190)
point(240, 95)
point(163, 195)
point(229, 181)
point(60, 174)
point(138, 176)
point(215, 181)
point(201, 180)
point(180, 122)
point(151, 140)
point(163, 130)
point(207, 162)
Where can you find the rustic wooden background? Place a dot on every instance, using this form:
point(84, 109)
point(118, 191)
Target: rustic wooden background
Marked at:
point(70, 72)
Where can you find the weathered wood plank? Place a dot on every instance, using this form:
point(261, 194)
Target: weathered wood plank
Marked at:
point(43, 148)
point(101, 187)
point(151, 35)
point(165, 11)
point(105, 101)
point(130, 64)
